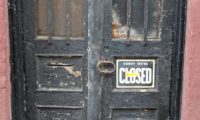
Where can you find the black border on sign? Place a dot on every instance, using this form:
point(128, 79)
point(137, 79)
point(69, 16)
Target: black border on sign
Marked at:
point(136, 87)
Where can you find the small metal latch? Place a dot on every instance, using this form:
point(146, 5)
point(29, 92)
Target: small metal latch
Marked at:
point(106, 66)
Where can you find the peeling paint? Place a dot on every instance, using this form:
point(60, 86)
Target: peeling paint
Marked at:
point(70, 70)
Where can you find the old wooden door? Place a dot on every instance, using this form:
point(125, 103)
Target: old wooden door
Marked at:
point(98, 59)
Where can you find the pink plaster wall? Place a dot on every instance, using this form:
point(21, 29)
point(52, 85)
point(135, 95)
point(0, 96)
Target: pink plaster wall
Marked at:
point(5, 101)
point(191, 83)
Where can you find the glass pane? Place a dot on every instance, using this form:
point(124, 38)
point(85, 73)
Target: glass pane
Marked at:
point(60, 18)
point(42, 12)
point(137, 20)
point(154, 18)
point(77, 18)
point(119, 19)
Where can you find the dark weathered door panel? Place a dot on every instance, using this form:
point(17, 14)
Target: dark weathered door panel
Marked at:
point(55, 58)
point(141, 30)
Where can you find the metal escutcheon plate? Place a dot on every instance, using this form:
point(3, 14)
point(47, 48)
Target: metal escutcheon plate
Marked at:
point(106, 66)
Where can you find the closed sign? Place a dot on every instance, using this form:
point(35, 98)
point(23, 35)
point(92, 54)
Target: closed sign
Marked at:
point(135, 73)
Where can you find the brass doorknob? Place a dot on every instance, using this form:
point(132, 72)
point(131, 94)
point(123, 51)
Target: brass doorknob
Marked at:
point(106, 66)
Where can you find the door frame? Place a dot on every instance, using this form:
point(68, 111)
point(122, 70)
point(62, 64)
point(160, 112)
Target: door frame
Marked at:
point(17, 59)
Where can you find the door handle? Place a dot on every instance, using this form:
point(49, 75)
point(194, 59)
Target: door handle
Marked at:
point(106, 66)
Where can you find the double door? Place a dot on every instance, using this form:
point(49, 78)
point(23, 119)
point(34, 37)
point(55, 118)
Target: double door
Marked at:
point(98, 59)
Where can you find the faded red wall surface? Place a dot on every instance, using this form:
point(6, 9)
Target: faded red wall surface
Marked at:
point(191, 84)
point(5, 100)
